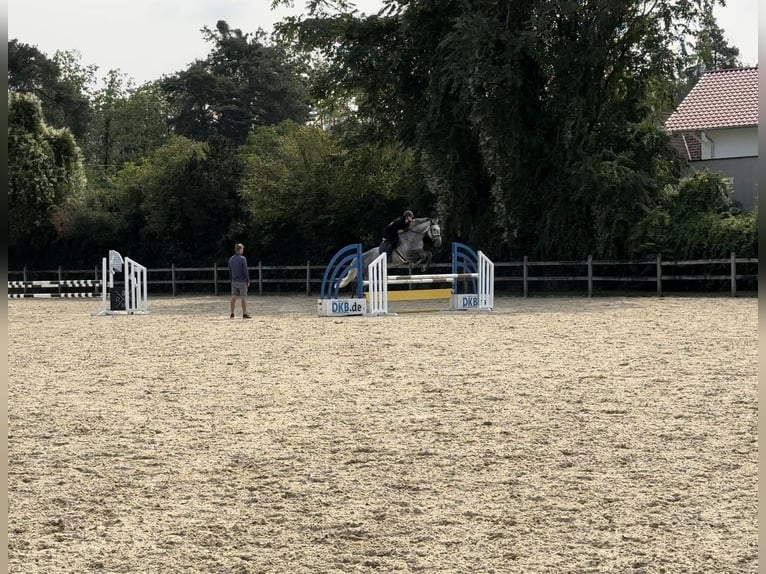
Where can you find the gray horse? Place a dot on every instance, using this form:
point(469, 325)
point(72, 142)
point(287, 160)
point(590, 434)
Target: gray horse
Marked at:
point(409, 250)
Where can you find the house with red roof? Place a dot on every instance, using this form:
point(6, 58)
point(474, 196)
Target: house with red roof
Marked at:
point(716, 127)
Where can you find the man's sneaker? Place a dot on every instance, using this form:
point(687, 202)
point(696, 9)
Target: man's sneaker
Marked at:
point(246, 317)
point(231, 316)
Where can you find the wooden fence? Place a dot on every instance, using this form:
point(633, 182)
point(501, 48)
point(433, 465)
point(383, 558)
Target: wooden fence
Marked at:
point(510, 277)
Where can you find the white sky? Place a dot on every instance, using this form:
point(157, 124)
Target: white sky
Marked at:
point(145, 39)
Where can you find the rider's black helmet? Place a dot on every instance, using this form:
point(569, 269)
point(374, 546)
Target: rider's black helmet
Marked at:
point(408, 213)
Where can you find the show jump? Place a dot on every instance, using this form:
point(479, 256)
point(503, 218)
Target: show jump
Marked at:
point(132, 300)
point(470, 285)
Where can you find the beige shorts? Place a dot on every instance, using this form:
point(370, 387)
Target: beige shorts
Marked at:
point(238, 288)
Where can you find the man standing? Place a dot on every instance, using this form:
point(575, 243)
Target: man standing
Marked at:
point(240, 280)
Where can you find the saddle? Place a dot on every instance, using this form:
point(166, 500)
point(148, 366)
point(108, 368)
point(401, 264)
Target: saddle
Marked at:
point(389, 249)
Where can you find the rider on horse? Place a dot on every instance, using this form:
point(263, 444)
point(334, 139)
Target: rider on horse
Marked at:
point(403, 246)
point(392, 231)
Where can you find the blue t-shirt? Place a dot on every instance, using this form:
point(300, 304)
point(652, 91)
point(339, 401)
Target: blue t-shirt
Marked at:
point(238, 268)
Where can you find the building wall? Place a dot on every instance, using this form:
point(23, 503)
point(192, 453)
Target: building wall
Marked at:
point(744, 173)
point(730, 143)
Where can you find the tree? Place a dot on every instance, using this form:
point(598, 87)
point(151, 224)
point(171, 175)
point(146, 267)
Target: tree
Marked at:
point(712, 49)
point(87, 225)
point(180, 202)
point(61, 91)
point(72, 71)
point(536, 124)
point(709, 51)
point(44, 173)
point(307, 194)
point(242, 84)
point(128, 123)
point(697, 219)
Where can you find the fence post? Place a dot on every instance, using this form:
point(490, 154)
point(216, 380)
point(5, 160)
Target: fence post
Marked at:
point(173, 277)
point(733, 275)
point(590, 275)
point(659, 274)
point(525, 275)
point(308, 278)
point(260, 278)
point(215, 278)
point(59, 280)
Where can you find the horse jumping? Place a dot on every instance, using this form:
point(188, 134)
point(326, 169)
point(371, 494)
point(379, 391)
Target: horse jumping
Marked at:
point(410, 250)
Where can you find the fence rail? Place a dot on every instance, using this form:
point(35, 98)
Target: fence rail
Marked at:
point(508, 275)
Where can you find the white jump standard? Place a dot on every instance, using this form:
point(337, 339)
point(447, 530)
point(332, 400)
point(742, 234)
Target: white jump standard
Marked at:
point(468, 268)
point(133, 300)
point(466, 265)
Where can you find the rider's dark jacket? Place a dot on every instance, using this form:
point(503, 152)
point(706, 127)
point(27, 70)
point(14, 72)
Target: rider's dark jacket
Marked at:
point(391, 232)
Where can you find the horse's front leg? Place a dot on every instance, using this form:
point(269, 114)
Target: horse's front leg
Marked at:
point(427, 257)
point(424, 260)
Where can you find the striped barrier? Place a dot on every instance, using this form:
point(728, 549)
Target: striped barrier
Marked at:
point(468, 267)
point(68, 283)
point(64, 283)
point(52, 295)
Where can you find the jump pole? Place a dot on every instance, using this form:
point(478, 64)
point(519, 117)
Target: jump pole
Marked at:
point(67, 283)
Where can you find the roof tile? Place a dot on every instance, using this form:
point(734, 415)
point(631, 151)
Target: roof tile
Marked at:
point(721, 99)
